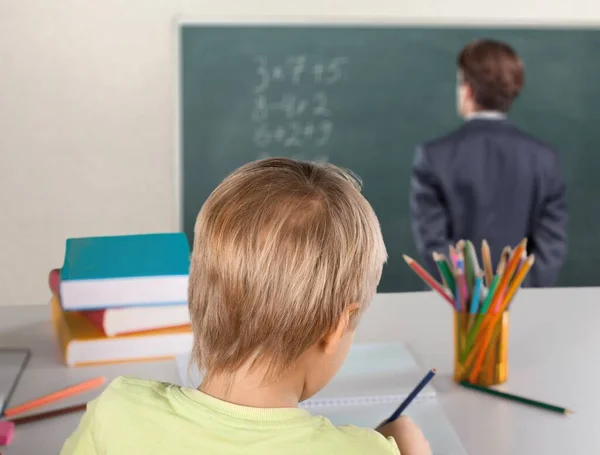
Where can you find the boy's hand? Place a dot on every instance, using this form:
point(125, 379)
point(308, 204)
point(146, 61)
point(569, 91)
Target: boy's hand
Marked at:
point(408, 436)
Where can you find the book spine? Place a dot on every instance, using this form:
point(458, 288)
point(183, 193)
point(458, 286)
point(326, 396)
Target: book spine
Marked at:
point(61, 328)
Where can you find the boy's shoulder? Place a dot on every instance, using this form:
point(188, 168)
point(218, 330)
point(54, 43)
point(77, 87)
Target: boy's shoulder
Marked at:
point(125, 384)
point(132, 393)
point(126, 399)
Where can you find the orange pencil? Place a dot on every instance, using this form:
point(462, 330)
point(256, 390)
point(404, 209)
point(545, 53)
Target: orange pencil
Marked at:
point(431, 281)
point(514, 286)
point(56, 396)
point(510, 269)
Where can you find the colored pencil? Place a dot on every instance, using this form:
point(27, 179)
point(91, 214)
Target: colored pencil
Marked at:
point(504, 256)
point(445, 271)
point(56, 396)
point(49, 414)
point(518, 399)
point(460, 261)
point(469, 266)
point(510, 269)
point(487, 262)
point(476, 294)
point(453, 258)
point(463, 292)
point(481, 349)
point(473, 331)
point(456, 299)
point(517, 282)
point(490, 295)
point(427, 278)
point(420, 386)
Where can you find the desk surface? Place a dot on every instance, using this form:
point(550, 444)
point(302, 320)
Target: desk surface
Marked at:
point(554, 341)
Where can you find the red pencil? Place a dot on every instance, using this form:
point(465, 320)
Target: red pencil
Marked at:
point(56, 396)
point(431, 282)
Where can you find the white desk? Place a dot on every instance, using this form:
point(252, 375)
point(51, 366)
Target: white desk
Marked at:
point(555, 342)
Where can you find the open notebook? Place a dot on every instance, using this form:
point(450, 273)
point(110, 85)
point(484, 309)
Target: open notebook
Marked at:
point(373, 381)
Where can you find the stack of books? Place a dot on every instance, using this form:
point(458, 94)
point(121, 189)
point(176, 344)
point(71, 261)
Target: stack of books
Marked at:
point(122, 298)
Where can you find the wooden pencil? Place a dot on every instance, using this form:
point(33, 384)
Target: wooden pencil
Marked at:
point(474, 306)
point(427, 278)
point(454, 259)
point(463, 292)
point(56, 396)
point(411, 396)
point(479, 320)
point(49, 414)
point(470, 270)
point(510, 269)
point(518, 399)
point(503, 260)
point(487, 262)
point(445, 271)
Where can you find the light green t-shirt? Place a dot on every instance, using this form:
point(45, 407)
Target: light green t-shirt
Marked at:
point(138, 417)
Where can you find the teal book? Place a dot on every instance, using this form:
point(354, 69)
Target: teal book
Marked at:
point(125, 271)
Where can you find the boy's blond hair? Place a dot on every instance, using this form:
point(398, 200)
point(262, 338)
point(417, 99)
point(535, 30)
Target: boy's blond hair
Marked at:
point(281, 249)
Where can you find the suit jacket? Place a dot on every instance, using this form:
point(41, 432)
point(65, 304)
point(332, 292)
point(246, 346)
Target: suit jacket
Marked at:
point(489, 180)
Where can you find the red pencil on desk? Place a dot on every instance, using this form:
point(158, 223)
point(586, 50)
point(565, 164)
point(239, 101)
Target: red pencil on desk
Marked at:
point(55, 396)
point(428, 278)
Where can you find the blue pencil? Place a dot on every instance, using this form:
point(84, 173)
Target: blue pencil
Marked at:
point(476, 295)
point(428, 377)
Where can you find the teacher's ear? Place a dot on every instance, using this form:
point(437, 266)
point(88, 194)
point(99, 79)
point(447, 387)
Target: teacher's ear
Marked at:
point(465, 103)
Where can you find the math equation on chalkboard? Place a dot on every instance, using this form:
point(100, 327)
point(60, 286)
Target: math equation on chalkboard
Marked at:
point(292, 108)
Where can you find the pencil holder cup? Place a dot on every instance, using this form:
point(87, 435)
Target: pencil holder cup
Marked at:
point(481, 348)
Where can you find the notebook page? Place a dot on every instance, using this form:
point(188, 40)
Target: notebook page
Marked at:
point(373, 373)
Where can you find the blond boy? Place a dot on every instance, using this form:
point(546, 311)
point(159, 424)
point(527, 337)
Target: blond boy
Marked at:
point(286, 257)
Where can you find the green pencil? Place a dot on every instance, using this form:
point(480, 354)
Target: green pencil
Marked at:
point(490, 295)
point(470, 270)
point(445, 271)
point(518, 399)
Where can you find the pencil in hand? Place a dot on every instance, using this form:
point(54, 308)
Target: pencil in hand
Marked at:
point(411, 396)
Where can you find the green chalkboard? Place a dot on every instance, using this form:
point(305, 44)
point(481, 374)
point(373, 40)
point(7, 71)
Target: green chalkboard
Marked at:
point(363, 97)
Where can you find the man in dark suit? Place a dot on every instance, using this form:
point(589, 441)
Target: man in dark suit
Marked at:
point(489, 180)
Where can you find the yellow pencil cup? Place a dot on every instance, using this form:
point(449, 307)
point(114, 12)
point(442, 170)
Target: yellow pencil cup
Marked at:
point(481, 349)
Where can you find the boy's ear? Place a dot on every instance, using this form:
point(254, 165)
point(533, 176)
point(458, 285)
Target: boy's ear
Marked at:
point(331, 341)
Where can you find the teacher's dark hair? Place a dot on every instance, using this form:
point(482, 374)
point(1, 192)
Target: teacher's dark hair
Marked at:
point(493, 71)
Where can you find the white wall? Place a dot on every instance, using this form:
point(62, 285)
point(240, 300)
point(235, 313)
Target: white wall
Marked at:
point(88, 111)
